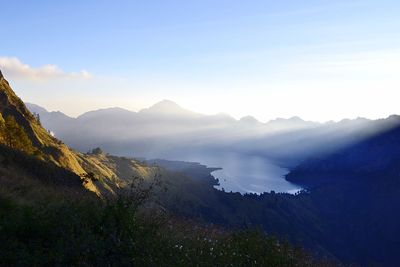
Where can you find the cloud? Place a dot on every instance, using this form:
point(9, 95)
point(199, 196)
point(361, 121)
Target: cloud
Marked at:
point(14, 68)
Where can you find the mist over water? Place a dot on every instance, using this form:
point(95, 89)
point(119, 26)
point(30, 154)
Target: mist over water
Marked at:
point(246, 173)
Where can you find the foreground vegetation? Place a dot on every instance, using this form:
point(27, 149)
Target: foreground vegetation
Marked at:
point(90, 232)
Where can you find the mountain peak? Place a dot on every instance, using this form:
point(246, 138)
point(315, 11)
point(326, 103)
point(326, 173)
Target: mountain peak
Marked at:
point(296, 118)
point(114, 112)
point(36, 108)
point(291, 119)
point(167, 107)
point(166, 104)
point(1, 76)
point(249, 119)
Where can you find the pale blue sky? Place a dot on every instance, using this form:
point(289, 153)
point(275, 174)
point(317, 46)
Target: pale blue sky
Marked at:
point(320, 60)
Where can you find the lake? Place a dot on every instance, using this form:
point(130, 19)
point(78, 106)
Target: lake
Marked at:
point(247, 173)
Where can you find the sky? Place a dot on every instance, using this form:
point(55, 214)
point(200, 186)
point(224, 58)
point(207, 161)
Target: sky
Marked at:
point(320, 60)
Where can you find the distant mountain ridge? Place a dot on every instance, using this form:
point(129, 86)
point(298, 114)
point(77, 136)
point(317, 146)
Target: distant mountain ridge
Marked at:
point(166, 130)
point(171, 108)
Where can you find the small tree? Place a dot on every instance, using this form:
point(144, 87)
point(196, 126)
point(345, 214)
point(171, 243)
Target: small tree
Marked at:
point(37, 117)
point(97, 151)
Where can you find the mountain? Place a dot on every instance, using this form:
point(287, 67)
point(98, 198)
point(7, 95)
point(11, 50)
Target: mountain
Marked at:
point(356, 191)
point(165, 130)
point(168, 108)
point(36, 108)
point(107, 114)
point(249, 119)
point(293, 123)
point(168, 131)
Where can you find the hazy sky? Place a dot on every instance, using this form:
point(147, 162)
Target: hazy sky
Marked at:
point(319, 60)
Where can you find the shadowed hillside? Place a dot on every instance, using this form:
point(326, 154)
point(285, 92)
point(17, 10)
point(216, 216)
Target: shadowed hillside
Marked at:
point(356, 191)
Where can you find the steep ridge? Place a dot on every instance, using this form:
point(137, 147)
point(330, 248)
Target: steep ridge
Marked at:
point(99, 173)
point(51, 149)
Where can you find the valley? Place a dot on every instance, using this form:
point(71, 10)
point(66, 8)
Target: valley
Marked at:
point(200, 133)
point(240, 183)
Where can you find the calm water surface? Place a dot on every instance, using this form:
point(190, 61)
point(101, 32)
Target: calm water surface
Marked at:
point(248, 173)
